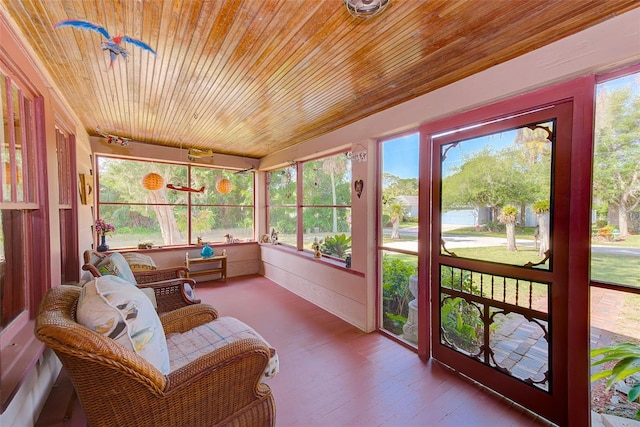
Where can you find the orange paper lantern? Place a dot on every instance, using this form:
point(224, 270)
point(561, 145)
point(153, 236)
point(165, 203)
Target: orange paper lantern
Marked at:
point(152, 181)
point(223, 185)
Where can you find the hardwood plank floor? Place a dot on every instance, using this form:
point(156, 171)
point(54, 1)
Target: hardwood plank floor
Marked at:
point(332, 374)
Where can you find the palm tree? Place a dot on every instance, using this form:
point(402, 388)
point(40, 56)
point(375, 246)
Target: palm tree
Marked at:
point(508, 216)
point(396, 213)
point(334, 165)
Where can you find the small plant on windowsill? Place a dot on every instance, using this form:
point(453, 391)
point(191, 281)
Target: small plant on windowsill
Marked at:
point(336, 246)
point(145, 245)
point(627, 363)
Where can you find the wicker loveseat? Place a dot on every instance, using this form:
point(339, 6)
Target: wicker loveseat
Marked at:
point(118, 387)
point(172, 289)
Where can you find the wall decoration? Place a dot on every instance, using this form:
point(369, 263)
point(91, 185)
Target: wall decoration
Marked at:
point(113, 44)
point(84, 187)
point(357, 155)
point(183, 188)
point(195, 153)
point(358, 186)
point(113, 139)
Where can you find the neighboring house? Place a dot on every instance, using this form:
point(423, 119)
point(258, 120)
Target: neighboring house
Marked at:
point(410, 204)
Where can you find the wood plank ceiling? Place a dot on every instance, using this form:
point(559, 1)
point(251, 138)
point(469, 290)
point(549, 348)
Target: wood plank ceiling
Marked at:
point(250, 77)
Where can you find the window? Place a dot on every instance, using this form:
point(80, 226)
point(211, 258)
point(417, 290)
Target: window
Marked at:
point(17, 200)
point(323, 213)
point(164, 216)
point(398, 222)
point(67, 209)
point(615, 226)
point(326, 204)
point(616, 183)
point(282, 208)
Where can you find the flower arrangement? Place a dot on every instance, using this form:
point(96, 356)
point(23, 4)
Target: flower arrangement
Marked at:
point(102, 228)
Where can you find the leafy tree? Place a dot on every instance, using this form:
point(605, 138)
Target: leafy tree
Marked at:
point(395, 186)
point(326, 183)
point(617, 152)
point(485, 179)
point(532, 154)
point(164, 211)
point(121, 183)
point(332, 166)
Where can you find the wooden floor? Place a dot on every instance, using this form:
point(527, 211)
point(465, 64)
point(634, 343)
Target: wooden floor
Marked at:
point(332, 374)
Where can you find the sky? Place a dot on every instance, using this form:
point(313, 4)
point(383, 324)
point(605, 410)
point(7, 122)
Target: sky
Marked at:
point(401, 155)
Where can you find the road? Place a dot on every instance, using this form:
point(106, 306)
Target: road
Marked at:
point(454, 241)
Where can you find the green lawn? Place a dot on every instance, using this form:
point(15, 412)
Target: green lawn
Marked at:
point(620, 269)
point(500, 254)
point(605, 267)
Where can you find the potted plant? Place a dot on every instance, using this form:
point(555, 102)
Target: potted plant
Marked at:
point(102, 228)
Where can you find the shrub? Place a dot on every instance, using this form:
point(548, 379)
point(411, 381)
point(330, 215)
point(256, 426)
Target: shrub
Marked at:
point(627, 358)
point(606, 232)
point(460, 320)
point(396, 295)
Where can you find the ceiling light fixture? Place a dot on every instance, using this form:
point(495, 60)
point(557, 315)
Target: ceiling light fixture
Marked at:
point(365, 8)
point(152, 181)
point(223, 185)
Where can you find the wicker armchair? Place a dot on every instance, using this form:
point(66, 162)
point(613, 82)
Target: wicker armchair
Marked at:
point(168, 284)
point(117, 387)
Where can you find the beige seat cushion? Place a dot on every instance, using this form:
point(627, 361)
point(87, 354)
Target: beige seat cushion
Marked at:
point(187, 347)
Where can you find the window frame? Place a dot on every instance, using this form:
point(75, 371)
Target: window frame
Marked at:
point(17, 341)
point(299, 203)
point(602, 78)
point(188, 205)
point(293, 205)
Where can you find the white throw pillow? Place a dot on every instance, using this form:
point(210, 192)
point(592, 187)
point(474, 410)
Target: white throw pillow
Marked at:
point(119, 310)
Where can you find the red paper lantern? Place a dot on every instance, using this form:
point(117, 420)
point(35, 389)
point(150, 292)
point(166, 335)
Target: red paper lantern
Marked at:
point(223, 185)
point(152, 181)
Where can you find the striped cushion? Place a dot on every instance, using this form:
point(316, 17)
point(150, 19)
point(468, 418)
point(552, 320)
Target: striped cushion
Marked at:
point(139, 262)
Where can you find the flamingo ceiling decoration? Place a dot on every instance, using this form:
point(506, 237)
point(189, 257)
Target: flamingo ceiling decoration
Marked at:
point(113, 44)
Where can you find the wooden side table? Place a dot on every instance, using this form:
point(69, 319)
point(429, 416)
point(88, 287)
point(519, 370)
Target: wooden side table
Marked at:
point(213, 265)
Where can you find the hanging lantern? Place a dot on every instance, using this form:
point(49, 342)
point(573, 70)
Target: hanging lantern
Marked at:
point(223, 185)
point(152, 181)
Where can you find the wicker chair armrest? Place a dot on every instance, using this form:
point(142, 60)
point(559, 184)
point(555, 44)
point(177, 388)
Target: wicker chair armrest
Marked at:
point(92, 269)
point(171, 294)
point(91, 259)
point(56, 326)
point(186, 318)
point(149, 276)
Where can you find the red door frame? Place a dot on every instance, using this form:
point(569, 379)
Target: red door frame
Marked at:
point(578, 173)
